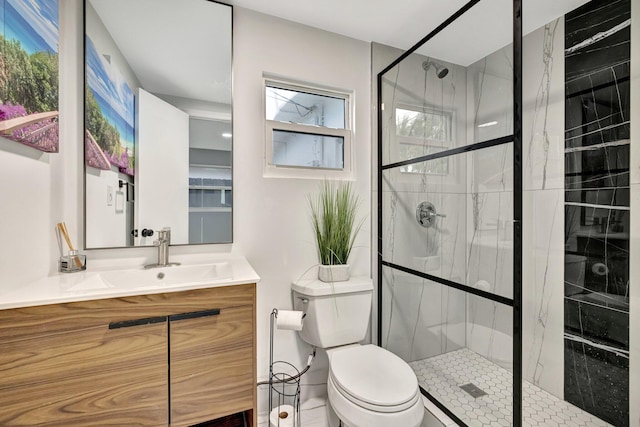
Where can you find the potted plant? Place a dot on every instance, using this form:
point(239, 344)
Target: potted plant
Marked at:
point(333, 215)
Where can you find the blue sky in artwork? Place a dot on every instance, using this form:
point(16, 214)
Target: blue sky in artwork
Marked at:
point(34, 23)
point(115, 98)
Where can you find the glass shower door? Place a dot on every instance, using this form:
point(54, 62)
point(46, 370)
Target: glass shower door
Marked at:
point(448, 202)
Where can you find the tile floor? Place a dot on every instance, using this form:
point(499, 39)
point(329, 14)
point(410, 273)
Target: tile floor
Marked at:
point(443, 375)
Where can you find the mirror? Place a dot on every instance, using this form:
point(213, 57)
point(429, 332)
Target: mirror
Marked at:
point(158, 142)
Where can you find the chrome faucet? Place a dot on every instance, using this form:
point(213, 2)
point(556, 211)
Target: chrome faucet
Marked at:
point(162, 242)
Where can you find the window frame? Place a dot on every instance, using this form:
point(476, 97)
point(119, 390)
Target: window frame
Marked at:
point(272, 170)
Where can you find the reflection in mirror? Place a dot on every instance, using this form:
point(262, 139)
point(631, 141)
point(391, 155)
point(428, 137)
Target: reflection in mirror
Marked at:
point(158, 141)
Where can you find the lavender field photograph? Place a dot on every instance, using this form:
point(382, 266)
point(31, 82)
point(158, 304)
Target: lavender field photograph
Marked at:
point(29, 73)
point(109, 115)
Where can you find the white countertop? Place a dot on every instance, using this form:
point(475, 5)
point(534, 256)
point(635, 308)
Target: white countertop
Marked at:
point(90, 284)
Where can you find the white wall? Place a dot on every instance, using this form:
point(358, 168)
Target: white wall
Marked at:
point(271, 224)
point(38, 190)
point(106, 220)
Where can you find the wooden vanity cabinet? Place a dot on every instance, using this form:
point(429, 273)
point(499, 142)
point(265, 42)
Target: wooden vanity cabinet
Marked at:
point(212, 356)
point(61, 365)
point(211, 361)
point(176, 359)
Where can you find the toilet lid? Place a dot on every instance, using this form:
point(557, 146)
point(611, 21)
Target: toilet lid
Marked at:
point(373, 375)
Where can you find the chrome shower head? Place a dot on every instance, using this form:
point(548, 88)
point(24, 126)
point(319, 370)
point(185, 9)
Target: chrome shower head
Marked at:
point(441, 70)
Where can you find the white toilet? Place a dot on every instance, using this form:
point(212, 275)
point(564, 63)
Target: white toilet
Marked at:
point(368, 386)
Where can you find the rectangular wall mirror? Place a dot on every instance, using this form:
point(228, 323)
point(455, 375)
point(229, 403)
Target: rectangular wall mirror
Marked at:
point(158, 139)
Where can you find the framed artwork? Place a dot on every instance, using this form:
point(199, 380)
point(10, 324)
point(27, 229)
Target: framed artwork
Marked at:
point(29, 73)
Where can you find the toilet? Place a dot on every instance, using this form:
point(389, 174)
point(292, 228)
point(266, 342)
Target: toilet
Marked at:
point(368, 386)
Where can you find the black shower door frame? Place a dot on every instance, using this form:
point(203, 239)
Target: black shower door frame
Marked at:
point(516, 138)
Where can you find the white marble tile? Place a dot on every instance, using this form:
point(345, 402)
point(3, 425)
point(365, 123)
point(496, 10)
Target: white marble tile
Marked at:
point(490, 242)
point(543, 107)
point(438, 250)
point(403, 294)
point(451, 178)
point(543, 289)
point(422, 318)
point(409, 86)
point(490, 97)
point(440, 325)
point(489, 330)
point(491, 169)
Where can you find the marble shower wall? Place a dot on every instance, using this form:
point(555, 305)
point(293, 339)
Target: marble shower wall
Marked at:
point(489, 211)
point(543, 207)
point(563, 246)
point(415, 327)
point(490, 195)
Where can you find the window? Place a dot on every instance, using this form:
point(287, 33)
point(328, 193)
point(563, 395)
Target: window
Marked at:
point(308, 132)
point(421, 132)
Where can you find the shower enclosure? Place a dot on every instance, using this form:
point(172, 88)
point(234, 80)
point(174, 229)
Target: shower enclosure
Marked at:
point(503, 205)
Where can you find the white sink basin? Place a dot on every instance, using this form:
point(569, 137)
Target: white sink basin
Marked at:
point(168, 276)
point(204, 271)
point(90, 283)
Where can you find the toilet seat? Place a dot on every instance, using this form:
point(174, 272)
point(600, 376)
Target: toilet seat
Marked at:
point(374, 378)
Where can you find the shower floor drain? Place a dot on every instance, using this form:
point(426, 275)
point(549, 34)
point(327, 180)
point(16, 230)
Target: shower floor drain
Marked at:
point(473, 390)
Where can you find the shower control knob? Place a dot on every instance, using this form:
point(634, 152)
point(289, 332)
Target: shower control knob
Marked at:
point(426, 214)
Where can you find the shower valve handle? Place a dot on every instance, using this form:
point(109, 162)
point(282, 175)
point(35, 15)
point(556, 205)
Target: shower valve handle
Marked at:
point(426, 214)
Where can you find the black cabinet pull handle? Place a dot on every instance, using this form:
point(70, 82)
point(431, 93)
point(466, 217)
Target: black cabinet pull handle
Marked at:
point(137, 322)
point(194, 314)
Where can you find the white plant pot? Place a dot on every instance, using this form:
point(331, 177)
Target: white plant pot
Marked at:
point(333, 273)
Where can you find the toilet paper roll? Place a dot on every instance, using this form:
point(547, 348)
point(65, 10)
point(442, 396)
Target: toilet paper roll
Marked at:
point(289, 320)
point(282, 416)
point(483, 285)
point(599, 269)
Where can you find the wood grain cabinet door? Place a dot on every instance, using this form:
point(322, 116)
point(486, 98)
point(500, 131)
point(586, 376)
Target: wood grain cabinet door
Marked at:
point(86, 376)
point(211, 365)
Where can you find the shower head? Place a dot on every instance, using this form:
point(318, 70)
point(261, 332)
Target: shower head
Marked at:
point(441, 70)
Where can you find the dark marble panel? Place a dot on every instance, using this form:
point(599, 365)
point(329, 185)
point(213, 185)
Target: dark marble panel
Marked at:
point(597, 142)
point(597, 381)
point(587, 317)
point(599, 168)
point(597, 34)
point(597, 107)
point(597, 69)
point(609, 196)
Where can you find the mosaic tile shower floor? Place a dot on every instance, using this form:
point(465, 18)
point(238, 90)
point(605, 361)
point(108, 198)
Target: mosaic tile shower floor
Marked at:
point(443, 375)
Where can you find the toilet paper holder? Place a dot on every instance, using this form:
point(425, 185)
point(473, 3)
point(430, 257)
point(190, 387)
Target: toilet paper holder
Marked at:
point(284, 381)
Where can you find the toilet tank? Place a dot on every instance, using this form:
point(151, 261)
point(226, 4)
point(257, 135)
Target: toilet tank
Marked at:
point(336, 313)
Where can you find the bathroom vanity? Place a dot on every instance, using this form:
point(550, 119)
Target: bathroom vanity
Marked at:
point(170, 356)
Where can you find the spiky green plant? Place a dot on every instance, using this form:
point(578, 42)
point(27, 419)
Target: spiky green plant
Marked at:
point(333, 215)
